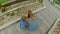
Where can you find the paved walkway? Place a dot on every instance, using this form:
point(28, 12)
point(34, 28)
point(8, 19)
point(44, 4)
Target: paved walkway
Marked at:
point(46, 19)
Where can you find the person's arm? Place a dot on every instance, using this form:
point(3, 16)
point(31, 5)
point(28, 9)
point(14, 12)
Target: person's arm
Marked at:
point(20, 23)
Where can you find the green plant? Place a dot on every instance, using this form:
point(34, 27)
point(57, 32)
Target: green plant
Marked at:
point(41, 1)
point(56, 1)
point(0, 5)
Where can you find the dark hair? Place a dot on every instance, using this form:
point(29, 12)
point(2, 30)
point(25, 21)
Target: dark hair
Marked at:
point(29, 13)
point(23, 17)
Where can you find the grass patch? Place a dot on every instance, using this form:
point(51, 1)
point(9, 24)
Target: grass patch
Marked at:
point(3, 1)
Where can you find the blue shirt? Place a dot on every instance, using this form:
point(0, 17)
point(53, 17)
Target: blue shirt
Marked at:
point(23, 25)
point(33, 25)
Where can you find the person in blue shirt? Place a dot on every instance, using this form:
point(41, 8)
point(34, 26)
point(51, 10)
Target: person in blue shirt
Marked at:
point(33, 22)
point(23, 23)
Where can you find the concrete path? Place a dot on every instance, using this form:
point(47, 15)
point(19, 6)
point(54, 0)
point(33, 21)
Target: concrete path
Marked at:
point(46, 18)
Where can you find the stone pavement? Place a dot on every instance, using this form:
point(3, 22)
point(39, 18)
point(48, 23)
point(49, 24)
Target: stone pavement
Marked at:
point(46, 19)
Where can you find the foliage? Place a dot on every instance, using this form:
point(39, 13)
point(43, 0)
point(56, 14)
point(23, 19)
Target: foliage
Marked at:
point(41, 1)
point(56, 1)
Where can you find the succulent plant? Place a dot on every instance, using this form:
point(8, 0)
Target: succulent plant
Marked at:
point(11, 13)
point(3, 9)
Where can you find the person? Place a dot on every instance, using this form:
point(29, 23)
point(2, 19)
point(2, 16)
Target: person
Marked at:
point(33, 23)
point(23, 23)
